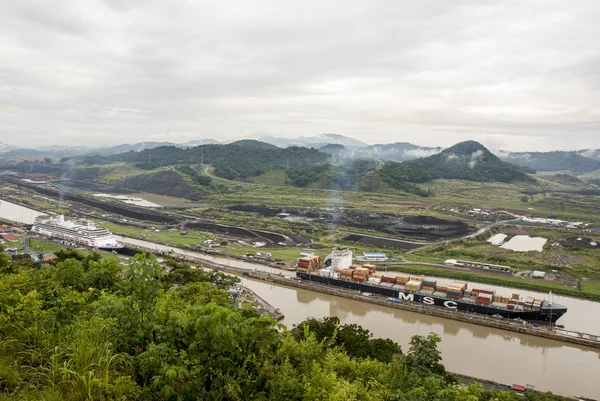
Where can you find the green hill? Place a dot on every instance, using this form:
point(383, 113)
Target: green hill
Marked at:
point(468, 160)
point(252, 143)
point(233, 161)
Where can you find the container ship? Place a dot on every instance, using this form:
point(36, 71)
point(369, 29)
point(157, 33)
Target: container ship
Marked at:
point(411, 289)
point(81, 232)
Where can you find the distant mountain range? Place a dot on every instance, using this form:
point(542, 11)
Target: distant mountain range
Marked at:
point(315, 141)
point(578, 162)
point(575, 162)
point(399, 151)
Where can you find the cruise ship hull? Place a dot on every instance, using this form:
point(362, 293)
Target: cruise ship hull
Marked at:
point(545, 314)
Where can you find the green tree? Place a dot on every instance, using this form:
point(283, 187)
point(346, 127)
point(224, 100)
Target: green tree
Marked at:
point(142, 285)
point(424, 356)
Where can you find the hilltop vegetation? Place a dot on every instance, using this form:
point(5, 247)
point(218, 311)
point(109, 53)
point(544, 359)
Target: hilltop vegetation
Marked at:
point(468, 160)
point(343, 176)
point(85, 328)
point(231, 161)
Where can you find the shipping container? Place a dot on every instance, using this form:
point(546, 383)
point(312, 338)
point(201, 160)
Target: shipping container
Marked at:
point(457, 296)
point(354, 266)
point(309, 263)
point(389, 279)
point(346, 273)
point(402, 279)
point(371, 268)
point(516, 296)
point(377, 275)
point(416, 278)
point(510, 306)
point(375, 280)
point(460, 284)
point(483, 291)
point(362, 270)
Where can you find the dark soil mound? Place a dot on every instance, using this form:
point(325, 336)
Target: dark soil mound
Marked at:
point(579, 242)
point(262, 210)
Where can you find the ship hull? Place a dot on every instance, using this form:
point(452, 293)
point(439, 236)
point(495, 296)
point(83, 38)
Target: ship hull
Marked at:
point(402, 296)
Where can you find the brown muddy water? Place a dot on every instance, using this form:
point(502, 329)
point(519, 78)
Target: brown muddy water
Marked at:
point(502, 356)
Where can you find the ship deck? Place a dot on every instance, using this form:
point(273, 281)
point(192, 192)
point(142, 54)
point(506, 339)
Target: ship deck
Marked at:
point(465, 299)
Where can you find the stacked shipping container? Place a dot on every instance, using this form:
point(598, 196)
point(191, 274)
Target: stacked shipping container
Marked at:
point(485, 299)
point(309, 263)
point(413, 285)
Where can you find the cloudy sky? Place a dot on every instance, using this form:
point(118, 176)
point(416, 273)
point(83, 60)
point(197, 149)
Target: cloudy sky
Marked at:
point(512, 74)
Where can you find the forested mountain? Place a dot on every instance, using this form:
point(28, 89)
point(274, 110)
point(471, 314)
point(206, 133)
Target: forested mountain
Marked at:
point(252, 143)
point(334, 149)
point(553, 161)
point(229, 161)
point(399, 151)
point(86, 328)
point(464, 161)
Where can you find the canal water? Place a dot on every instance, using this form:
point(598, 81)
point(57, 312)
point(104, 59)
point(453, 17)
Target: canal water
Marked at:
point(14, 212)
point(579, 317)
point(484, 352)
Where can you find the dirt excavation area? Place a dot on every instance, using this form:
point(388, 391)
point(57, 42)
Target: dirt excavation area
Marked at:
point(422, 228)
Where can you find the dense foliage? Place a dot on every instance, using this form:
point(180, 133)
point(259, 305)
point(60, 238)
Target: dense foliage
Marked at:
point(229, 161)
point(468, 160)
point(343, 176)
point(203, 180)
point(85, 328)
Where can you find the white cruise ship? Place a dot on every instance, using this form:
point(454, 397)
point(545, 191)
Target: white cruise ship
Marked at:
point(81, 232)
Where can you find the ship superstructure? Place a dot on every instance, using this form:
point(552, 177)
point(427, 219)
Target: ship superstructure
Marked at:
point(81, 232)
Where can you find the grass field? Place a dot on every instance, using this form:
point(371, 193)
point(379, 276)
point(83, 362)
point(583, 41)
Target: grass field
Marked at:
point(574, 262)
point(44, 246)
point(171, 237)
point(271, 177)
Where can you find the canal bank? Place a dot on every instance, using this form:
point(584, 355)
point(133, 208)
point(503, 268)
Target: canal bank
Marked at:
point(474, 350)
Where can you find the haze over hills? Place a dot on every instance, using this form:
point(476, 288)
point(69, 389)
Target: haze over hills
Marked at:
point(316, 142)
point(468, 160)
point(578, 162)
point(553, 161)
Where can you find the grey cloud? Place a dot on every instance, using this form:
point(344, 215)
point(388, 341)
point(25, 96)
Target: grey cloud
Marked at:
point(510, 74)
